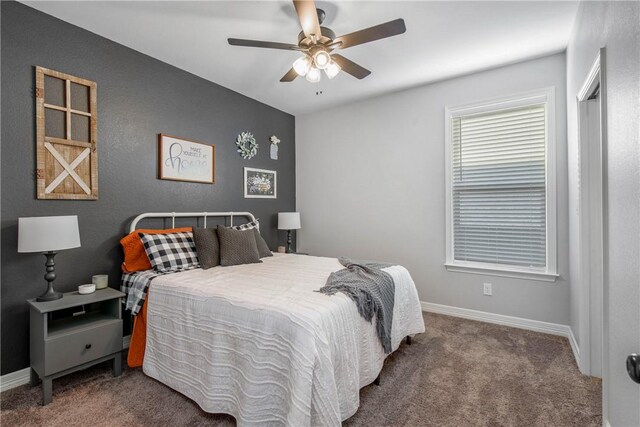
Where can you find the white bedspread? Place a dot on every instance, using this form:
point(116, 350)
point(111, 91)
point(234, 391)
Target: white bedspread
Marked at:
point(256, 342)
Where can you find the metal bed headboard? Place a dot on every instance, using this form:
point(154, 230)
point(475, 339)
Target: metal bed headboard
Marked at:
point(174, 215)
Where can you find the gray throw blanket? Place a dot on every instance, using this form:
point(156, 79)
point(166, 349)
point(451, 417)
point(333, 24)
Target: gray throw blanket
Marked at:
point(371, 289)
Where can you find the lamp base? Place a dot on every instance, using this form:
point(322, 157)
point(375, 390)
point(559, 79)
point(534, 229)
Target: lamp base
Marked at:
point(288, 241)
point(50, 295)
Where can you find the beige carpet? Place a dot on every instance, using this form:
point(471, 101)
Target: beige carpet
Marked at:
point(458, 373)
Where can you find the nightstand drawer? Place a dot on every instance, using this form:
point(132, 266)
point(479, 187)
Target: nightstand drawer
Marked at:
point(66, 350)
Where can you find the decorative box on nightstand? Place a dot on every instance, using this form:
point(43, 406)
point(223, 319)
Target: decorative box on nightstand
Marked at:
point(73, 333)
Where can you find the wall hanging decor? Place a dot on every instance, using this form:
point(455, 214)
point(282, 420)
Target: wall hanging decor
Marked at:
point(260, 184)
point(247, 145)
point(66, 136)
point(180, 159)
point(274, 147)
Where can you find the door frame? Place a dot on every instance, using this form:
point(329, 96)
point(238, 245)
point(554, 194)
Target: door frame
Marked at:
point(595, 77)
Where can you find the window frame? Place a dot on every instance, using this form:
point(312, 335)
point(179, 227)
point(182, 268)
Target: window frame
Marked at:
point(540, 96)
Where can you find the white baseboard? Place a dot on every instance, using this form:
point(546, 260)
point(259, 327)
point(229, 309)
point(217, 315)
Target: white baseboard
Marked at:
point(23, 376)
point(15, 379)
point(575, 348)
point(500, 319)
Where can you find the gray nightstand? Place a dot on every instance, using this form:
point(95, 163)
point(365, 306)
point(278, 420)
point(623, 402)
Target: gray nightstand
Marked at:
point(73, 333)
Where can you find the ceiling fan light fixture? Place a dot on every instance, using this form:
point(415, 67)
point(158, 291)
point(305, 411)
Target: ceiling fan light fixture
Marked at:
point(302, 65)
point(313, 75)
point(317, 44)
point(332, 69)
point(322, 59)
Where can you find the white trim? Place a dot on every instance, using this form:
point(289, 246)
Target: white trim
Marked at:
point(501, 319)
point(519, 99)
point(547, 96)
point(498, 319)
point(23, 376)
point(575, 348)
point(15, 379)
point(590, 226)
point(587, 86)
point(604, 94)
point(499, 270)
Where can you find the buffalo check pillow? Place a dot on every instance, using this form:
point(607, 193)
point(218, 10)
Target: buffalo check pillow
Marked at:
point(170, 252)
point(248, 226)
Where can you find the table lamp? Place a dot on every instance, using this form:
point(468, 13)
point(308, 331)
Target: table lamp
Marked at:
point(48, 234)
point(288, 221)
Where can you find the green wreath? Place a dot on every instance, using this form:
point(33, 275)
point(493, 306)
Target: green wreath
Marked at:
point(247, 145)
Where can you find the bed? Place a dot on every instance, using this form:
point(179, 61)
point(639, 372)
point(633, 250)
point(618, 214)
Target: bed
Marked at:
point(258, 342)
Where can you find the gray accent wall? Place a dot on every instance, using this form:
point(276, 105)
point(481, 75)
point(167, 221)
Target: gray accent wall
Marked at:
point(138, 97)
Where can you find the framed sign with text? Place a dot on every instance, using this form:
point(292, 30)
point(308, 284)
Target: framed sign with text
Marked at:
point(180, 159)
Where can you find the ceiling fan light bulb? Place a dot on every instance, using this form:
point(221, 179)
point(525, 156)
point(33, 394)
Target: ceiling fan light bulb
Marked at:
point(302, 65)
point(332, 70)
point(322, 59)
point(314, 75)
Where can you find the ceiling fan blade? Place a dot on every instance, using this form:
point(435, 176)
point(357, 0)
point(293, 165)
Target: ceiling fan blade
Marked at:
point(377, 32)
point(290, 76)
point(350, 67)
point(258, 43)
point(306, 10)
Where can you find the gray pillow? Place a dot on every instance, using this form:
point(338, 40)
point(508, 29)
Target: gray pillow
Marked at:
point(263, 249)
point(207, 247)
point(237, 247)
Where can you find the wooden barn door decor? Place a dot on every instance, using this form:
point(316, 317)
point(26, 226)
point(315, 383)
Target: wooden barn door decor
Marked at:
point(67, 136)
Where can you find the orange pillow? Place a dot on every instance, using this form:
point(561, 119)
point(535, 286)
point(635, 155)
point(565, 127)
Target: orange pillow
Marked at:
point(135, 258)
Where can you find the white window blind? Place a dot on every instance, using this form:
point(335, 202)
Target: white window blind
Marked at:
point(498, 188)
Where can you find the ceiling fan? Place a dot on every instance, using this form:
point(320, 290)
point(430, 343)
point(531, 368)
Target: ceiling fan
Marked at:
point(317, 44)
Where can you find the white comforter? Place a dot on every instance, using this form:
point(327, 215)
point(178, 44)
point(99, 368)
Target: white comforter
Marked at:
point(256, 342)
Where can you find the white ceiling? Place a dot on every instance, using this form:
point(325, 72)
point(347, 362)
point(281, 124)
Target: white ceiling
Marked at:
point(443, 39)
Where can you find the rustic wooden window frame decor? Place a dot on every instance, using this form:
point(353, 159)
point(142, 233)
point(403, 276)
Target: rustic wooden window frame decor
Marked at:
point(46, 182)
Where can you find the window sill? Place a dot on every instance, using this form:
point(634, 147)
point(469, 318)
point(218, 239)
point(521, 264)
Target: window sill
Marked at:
point(499, 271)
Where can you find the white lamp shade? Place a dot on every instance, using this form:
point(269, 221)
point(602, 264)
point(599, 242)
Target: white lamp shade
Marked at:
point(332, 69)
point(48, 233)
point(288, 220)
point(302, 65)
point(313, 75)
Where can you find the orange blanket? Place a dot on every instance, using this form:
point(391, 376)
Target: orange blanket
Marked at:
point(138, 338)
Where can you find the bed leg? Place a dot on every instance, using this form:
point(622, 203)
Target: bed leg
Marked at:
point(377, 380)
point(408, 340)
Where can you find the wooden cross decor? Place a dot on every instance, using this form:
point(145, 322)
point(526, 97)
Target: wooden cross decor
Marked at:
point(67, 136)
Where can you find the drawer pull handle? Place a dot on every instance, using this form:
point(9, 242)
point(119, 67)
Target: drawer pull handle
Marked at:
point(88, 346)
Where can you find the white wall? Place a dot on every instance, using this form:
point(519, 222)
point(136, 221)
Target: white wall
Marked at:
point(615, 26)
point(370, 185)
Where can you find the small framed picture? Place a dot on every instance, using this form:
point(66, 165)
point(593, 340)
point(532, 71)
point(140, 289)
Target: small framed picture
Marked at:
point(260, 184)
point(182, 160)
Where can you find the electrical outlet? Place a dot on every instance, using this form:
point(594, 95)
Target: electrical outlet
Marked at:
point(487, 289)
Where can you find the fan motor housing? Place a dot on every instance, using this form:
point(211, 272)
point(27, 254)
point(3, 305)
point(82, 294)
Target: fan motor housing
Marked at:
point(327, 36)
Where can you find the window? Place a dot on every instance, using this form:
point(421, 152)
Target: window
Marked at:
point(501, 187)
